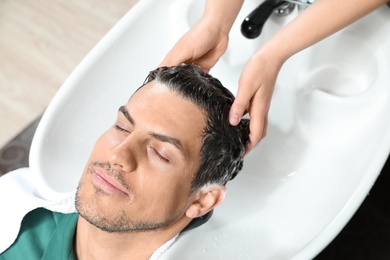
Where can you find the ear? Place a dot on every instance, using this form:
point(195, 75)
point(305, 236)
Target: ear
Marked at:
point(206, 199)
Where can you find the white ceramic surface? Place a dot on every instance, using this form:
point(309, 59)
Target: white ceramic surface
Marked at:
point(328, 134)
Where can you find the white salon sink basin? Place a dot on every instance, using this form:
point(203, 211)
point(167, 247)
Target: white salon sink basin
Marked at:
point(328, 136)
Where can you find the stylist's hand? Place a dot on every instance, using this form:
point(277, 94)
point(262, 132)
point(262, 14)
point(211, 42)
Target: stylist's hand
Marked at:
point(203, 45)
point(255, 89)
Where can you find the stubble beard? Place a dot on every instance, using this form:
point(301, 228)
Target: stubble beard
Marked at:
point(121, 222)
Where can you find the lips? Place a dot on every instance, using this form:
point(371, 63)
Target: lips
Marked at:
point(107, 183)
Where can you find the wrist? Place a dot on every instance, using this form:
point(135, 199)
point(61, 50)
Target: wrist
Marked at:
point(221, 13)
point(273, 53)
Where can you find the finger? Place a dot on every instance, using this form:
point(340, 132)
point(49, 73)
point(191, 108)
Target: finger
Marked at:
point(255, 137)
point(177, 55)
point(205, 63)
point(258, 130)
point(237, 111)
point(207, 60)
point(258, 113)
point(254, 141)
point(172, 60)
point(241, 103)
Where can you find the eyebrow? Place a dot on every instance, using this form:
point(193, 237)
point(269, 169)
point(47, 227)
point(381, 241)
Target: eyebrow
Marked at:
point(126, 114)
point(162, 138)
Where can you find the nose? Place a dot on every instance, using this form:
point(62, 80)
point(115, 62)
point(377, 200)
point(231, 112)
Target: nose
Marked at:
point(123, 155)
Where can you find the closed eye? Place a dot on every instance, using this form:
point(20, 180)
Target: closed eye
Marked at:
point(159, 156)
point(120, 129)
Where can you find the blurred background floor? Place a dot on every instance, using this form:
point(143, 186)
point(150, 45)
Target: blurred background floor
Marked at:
point(41, 42)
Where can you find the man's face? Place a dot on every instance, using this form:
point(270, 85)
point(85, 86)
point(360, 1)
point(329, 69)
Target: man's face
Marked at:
point(139, 174)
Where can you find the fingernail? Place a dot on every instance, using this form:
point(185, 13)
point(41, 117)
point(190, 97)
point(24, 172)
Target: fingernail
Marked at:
point(234, 119)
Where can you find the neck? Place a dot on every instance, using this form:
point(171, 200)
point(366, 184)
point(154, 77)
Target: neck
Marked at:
point(93, 243)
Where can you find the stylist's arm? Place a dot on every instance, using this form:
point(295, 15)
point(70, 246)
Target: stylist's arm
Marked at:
point(207, 40)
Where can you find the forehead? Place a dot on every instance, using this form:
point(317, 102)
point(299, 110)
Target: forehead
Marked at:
point(157, 108)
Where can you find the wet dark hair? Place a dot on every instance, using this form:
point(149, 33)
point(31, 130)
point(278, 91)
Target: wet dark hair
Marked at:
point(223, 145)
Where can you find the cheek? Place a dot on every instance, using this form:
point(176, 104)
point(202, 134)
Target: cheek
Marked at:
point(168, 201)
point(172, 189)
point(103, 144)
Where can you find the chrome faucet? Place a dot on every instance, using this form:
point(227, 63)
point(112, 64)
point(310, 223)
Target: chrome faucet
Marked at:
point(302, 4)
point(253, 24)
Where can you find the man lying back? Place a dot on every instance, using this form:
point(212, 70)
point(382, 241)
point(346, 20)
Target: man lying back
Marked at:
point(163, 163)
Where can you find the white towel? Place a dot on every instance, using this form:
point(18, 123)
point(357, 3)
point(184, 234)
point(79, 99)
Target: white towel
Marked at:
point(162, 249)
point(18, 196)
